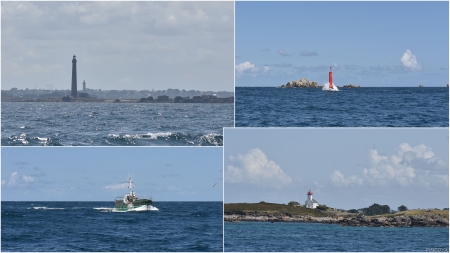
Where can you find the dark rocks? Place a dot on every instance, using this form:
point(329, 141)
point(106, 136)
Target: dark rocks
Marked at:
point(351, 86)
point(421, 220)
point(302, 83)
point(66, 99)
point(195, 99)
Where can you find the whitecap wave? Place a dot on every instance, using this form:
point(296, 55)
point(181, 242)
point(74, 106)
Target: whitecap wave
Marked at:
point(214, 139)
point(47, 208)
point(327, 88)
point(137, 209)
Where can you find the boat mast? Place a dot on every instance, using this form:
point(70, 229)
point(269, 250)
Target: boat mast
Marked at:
point(130, 186)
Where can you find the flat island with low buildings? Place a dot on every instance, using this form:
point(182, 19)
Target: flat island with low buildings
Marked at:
point(113, 96)
point(375, 215)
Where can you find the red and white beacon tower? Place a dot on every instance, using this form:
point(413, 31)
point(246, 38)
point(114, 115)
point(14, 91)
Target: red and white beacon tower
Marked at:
point(330, 79)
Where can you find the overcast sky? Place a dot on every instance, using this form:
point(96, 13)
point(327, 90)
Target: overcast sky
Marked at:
point(99, 174)
point(118, 45)
point(389, 44)
point(344, 167)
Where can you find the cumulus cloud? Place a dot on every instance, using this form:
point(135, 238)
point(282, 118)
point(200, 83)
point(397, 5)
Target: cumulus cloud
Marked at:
point(339, 179)
point(410, 62)
point(409, 165)
point(117, 186)
point(307, 53)
point(27, 179)
point(13, 178)
point(255, 168)
point(16, 180)
point(266, 69)
point(245, 68)
point(283, 53)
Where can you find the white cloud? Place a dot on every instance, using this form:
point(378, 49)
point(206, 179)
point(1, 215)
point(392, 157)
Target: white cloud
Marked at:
point(245, 67)
point(339, 179)
point(409, 165)
point(27, 179)
point(255, 168)
point(266, 69)
point(117, 186)
point(410, 62)
point(13, 178)
point(283, 53)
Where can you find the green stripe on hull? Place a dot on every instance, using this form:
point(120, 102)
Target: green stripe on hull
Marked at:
point(120, 206)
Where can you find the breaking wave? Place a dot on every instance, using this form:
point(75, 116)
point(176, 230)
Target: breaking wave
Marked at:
point(327, 88)
point(138, 209)
point(46, 208)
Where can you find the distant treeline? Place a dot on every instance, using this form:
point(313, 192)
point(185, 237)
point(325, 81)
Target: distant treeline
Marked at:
point(375, 209)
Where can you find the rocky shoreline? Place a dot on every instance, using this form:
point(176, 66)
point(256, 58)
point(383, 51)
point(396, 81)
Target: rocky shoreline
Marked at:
point(420, 220)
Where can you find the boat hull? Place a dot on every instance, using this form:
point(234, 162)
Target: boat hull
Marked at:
point(137, 205)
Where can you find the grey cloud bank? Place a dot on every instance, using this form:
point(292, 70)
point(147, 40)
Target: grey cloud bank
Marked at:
point(119, 45)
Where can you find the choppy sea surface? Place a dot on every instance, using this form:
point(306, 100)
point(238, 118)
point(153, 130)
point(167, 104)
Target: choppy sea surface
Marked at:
point(294, 237)
point(111, 124)
point(364, 107)
point(90, 226)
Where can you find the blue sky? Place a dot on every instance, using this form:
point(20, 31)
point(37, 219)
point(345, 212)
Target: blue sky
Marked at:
point(389, 44)
point(344, 167)
point(99, 174)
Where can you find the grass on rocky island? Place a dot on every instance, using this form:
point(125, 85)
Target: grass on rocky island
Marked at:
point(442, 213)
point(271, 208)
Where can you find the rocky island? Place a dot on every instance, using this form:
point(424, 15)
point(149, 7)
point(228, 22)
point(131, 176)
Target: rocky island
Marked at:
point(351, 86)
point(268, 212)
point(301, 83)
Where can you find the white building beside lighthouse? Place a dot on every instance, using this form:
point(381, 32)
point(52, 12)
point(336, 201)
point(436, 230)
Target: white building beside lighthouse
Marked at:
point(310, 202)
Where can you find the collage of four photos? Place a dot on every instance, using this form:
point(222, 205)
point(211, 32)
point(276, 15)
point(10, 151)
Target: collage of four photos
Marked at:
point(233, 126)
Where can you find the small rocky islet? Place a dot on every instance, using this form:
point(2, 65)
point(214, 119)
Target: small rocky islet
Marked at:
point(305, 83)
point(301, 83)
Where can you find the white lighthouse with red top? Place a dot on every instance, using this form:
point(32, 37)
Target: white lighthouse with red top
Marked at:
point(310, 202)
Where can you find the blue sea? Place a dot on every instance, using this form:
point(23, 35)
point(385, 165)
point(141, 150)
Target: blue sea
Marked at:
point(294, 237)
point(111, 124)
point(89, 226)
point(364, 107)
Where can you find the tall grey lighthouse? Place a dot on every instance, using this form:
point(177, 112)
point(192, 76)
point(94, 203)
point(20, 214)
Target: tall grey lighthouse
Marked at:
point(74, 92)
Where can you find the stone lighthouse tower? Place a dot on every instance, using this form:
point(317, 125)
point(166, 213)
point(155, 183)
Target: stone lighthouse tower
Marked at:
point(74, 92)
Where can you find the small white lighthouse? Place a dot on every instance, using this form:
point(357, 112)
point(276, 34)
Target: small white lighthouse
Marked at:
point(310, 202)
